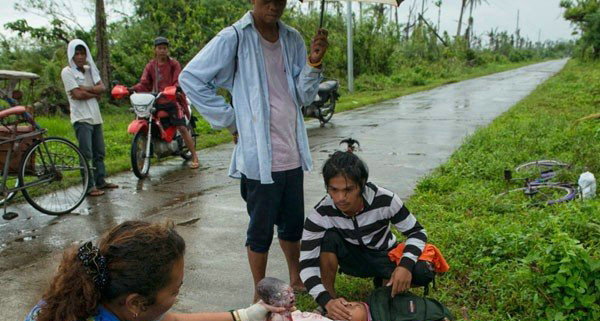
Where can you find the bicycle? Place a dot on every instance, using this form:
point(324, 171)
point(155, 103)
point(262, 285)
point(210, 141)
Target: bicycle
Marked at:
point(50, 172)
point(539, 190)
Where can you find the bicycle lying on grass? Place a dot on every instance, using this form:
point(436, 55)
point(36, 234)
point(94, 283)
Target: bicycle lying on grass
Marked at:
point(539, 187)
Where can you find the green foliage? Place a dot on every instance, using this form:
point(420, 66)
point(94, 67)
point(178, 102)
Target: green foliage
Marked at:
point(384, 53)
point(585, 14)
point(539, 263)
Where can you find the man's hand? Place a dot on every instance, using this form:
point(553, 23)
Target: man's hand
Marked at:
point(318, 46)
point(400, 281)
point(337, 310)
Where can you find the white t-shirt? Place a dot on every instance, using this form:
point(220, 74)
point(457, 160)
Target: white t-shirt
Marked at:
point(87, 111)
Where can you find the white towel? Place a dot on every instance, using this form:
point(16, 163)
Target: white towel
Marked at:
point(90, 61)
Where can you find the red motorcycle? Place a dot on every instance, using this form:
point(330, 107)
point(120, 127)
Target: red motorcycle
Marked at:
point(153, 135)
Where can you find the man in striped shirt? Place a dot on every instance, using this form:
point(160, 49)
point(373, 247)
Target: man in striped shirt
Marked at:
point(351, 228)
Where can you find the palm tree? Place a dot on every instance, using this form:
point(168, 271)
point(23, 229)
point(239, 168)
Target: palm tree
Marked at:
point(464, 4)
point(438, 4)
point(103, 58)
point(473, 3)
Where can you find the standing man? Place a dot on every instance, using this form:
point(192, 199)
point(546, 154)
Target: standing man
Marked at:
point(83, 86)
point(264, 64)
point(161, 72)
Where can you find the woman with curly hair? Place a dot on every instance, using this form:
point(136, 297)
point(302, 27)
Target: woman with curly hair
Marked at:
point(134, 274)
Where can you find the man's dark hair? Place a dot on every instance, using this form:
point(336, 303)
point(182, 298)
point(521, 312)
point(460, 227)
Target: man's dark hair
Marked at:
point(346, 164)
point(80, 48)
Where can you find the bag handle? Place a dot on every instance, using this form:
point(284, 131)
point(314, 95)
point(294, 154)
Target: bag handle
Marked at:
point(235, 64)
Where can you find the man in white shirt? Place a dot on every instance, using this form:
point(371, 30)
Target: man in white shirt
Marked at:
point(83, 86)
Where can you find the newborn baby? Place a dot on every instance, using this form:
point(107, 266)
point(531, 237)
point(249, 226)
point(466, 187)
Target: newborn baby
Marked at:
point(278, 293)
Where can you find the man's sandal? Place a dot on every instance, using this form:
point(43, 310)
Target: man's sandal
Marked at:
point(194, 165)
point(108, 186)
point(95, 192)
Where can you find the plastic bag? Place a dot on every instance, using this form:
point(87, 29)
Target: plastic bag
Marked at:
point(587, 185)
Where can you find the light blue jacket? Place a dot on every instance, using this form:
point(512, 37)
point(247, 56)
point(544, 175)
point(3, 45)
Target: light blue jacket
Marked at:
point(213, 67)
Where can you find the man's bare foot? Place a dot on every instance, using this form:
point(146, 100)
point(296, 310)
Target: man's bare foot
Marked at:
point(194, 164)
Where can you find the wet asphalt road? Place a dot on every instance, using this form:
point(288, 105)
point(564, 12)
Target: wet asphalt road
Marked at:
point(402, 140)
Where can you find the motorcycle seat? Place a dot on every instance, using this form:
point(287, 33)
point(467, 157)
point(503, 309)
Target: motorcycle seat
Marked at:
point(328, 86)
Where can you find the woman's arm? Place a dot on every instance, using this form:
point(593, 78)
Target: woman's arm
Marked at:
point(208, 316)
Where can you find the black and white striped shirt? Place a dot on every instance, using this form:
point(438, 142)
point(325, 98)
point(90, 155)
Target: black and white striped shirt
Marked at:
point(370, 228)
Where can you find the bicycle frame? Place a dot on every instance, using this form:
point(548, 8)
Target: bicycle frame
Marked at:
point(5, 171)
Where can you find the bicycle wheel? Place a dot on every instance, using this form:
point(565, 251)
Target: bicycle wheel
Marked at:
point(57, 173)
point(535, 195)
point(140, 163)
point(542, 170)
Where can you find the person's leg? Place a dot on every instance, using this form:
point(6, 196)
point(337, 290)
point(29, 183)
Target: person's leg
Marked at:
point(262, 202)
point(189, 143)
point(290, 222)
point(258, 267)
point(177, 116)
point(83, 133)
point(99, 153)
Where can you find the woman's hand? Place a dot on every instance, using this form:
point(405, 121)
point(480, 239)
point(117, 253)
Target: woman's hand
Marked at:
point(258, 311)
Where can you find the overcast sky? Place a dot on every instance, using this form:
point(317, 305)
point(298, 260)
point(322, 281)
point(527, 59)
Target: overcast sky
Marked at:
point(536, 16)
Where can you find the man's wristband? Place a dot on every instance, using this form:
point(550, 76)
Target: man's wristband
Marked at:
point(315, 65)
point(233, 315)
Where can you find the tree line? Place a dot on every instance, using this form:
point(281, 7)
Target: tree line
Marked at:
point(406, 52)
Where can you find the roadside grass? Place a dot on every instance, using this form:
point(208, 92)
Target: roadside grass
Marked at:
point(370, 89)
point(528, 263)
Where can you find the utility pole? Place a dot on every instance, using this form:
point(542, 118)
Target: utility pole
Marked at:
point(350, 49)
point(518, 32)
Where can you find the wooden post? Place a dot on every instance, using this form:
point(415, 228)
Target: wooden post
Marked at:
point(103, 54)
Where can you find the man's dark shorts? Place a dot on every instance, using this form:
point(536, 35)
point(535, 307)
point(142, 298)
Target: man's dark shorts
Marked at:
point(356, 260)
point(362, 262)
point(176, 114)
point(280, 203)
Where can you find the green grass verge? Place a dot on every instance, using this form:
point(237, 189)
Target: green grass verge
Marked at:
point(116, 119)
point(526, 263)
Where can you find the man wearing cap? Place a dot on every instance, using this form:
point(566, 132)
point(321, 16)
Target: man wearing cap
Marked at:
point(161, 72)
point(83, 86)
point(264, 64)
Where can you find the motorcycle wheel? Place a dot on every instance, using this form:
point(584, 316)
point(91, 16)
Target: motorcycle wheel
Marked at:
point(326, 112)
point(185, 152)
point(138, 159)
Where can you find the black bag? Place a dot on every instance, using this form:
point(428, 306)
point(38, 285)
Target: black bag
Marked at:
point(405, 307)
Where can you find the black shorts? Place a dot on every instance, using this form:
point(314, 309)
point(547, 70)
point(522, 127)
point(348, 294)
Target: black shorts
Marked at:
point(362, 262)
point(357, 260)
point(280, 203)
